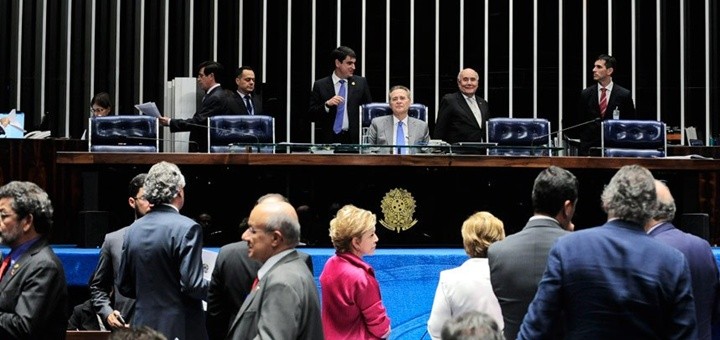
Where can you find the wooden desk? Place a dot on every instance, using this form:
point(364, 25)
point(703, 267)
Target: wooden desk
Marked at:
point(446, 188)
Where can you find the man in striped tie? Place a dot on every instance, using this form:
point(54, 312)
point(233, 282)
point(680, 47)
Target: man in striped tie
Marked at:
point(597, 103)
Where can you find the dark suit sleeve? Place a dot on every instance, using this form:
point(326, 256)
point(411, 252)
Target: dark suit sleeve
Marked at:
point(192, 282)
point(318, 97)
point(125, 281)
point(214, 104)
point(308, 261)
point(441, 125)
point(218, 304)
point(101, 283)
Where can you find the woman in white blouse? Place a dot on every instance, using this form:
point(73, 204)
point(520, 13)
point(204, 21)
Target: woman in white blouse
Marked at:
point(467, 287)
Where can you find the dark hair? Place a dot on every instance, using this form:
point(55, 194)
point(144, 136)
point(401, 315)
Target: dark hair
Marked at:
point(212, 67)
point(552, 187)
point(102, 99)
point(610, 61)
point(241, 69)
point(29, 199)
point(135, 184)
point(342, 52)
point(136, 333)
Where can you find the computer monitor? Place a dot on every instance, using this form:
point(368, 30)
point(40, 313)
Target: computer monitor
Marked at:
point(16, 129)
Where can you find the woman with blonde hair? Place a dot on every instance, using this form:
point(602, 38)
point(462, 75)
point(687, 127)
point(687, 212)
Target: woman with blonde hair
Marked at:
point(351, 304)
point(467, 287)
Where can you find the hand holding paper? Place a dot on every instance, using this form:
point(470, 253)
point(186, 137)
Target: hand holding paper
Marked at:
point(149, 109)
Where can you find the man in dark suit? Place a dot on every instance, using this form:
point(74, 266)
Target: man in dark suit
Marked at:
point(597, 103)
point(33, 303)
point(614, 281)
point(284, 303)
point(703, 268)
point(335, 101)
point(245, 100)
point(232, 279)
point(107, 301)
point(517, 263)
point(161, 265)
point(462, 115)
point(215, 102)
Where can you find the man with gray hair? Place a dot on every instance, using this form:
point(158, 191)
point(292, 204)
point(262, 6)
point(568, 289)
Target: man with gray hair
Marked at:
point(703, 268)
point(614, 281)
point(32, 280)
point(161, 266)
point(283, 301)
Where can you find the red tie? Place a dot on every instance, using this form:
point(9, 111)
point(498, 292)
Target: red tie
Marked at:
point(4, 266)
point(603, 101)
point(254, 285)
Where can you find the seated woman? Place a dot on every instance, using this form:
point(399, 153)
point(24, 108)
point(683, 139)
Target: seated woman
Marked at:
point(99, 106)
point(398, 128)
point(467, 288)
point(351, 303)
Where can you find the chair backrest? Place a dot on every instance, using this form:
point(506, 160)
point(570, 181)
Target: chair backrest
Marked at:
point(229, 131)
point(633, 138)
point(524, 132)
point(371, 110)
point(123, 134)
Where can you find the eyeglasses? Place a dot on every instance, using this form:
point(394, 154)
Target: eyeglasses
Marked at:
point(96, 109)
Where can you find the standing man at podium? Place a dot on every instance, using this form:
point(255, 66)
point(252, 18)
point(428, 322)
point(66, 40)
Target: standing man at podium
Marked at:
point(215, 102)
point(335, 100)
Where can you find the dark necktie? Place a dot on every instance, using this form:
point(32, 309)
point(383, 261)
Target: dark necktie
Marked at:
point(248, 104)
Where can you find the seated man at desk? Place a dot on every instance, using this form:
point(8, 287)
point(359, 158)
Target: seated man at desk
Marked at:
point(399, 128)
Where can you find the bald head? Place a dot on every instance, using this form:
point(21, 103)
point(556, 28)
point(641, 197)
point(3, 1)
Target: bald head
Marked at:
point(468, 81)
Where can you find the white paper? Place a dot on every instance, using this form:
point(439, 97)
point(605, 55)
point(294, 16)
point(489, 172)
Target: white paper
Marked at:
point(208, 260)
point(149, 109)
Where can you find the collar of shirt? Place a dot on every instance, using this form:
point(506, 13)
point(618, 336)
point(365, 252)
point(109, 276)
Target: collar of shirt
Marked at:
point(356, 261)
point(653, 227)
point(243, 95)
point(468, 97)
point(405, 121)
point(543, 217)
point(212, 88)
point(609, 88)
point(271, 262)
point(21, 249)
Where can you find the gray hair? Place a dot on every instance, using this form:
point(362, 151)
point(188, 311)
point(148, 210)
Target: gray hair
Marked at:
point(665, 208)
point(285, 221)
point(630, 195)
point(29, 199)
point(472, 325)
point(163, 183)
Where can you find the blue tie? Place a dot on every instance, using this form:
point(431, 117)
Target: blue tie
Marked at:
point(248, 103)
point(400, 138)
point(337, 127)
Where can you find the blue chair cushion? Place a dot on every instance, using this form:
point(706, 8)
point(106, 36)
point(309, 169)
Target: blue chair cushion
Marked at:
point(228, 130)
point(124, 133)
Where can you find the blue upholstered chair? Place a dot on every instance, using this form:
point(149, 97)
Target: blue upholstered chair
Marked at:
point(231, 132)
point(371, 110)
point(530, 134)
point(633, 138)
point(123, 134)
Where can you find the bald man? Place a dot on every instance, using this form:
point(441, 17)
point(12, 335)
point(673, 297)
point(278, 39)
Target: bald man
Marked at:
point(462, 115)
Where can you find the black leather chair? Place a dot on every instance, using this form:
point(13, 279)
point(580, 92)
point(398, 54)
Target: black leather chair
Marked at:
point(123, 134)
point(241, 133)
point(633, 138)
point(371, 110)
point(531, 135)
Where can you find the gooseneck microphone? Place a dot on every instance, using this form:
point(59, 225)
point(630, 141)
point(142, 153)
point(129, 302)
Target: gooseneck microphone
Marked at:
point(594, 120)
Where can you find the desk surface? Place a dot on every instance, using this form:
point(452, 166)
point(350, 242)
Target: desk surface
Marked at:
point(432, 160)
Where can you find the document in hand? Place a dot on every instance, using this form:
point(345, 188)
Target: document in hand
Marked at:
point(149, 109)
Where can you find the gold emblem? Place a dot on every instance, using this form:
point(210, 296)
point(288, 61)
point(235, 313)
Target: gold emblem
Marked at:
point(398, 207)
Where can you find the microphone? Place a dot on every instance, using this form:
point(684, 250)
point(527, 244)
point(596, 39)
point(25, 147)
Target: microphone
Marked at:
point(594, 120)
point(157, 139)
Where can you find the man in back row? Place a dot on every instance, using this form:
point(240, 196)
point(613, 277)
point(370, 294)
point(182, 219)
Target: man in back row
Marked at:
point(335, 100)
point(462, 115)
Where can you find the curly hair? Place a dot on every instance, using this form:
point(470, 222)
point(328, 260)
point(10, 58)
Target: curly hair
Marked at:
point(350, 222)
point(163, 182)
point(630, 195)
point(479, 231)
point(29, 199)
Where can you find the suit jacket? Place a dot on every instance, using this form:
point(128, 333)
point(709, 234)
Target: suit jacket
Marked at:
point(162, 269)
point(238, 104)
point(285, 305)
point(216, 102)
point(589, 109)
point(232, 278)
point(102, 283)
point(33, 296)
point(463, 289)
point(517, 264)
point(381, 132)
point(703, 270)
point(358, 93)
point(456, 122)
point(613, 282)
